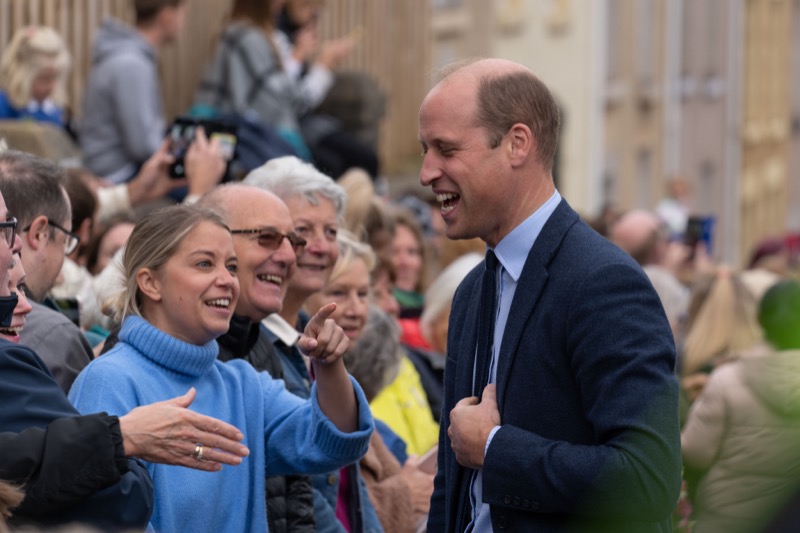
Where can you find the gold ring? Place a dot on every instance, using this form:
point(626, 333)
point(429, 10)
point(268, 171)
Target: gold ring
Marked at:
point(198, 452)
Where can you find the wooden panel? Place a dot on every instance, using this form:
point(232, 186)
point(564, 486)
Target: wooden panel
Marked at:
point(765, 135)
point(395, 49)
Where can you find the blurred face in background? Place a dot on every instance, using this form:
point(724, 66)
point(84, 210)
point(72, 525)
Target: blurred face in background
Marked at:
point(45, 83)
point(171, 20)
point(114, 239)
point(406, 258)
point(382, 295)
point(350, 292)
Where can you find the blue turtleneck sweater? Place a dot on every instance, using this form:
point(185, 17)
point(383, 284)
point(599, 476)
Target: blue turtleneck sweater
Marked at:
point(285, 434)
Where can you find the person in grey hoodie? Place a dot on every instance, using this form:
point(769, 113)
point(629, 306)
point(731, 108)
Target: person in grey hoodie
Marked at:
point(123, 118)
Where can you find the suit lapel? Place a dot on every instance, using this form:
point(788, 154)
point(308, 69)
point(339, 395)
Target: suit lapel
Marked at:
point(529, 288)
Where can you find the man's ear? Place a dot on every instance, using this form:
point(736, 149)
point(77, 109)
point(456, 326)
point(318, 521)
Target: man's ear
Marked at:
point(521, 145)
point(149, 284)
point(38, 234)
point(84, 231)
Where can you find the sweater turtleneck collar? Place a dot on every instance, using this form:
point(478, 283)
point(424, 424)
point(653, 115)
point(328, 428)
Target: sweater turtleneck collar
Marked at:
point(164, 349)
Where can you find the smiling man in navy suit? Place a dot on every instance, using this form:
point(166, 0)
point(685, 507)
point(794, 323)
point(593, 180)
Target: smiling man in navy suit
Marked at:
point(577, 429)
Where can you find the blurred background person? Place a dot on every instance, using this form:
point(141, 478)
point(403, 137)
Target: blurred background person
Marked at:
point(310, 62)
point(742, 433)
point(123, 121)
point(33, 70)
point(721, 324)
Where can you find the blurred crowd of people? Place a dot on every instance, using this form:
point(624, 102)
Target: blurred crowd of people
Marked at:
point(738, 378)
point(122, 287)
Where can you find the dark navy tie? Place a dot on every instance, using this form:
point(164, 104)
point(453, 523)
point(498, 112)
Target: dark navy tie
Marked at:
point(487, 314)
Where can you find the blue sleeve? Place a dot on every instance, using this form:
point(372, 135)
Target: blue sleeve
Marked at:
point(300, 438)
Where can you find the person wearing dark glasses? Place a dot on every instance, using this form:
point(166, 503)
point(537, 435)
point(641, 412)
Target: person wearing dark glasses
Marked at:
point(33, 186)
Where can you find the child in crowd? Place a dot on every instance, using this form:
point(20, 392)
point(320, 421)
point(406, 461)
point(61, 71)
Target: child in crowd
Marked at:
point(33, 68)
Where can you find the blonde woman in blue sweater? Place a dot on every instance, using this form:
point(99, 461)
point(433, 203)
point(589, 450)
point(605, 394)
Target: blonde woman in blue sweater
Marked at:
point(181, 290)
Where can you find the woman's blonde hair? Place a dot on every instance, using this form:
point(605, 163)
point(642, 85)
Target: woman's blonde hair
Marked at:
point(152, 243)
point(350, 249)
point(32, 50)
point(722, 320)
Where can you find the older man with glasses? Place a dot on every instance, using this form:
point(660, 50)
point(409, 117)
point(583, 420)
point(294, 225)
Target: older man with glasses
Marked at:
point(32, 186)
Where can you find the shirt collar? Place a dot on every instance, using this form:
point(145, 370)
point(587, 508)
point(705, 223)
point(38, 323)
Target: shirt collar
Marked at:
point(513, 250)
point(281, 329)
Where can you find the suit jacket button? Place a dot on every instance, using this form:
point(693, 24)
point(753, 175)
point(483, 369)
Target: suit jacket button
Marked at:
point(332, 479)
point(507, 499)
point(516, 502)
point(502, 523)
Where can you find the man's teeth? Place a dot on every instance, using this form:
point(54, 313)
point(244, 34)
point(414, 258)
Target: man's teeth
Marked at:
point(448, 201)
point(11, 331)
point(220, 302)
point(272, 278)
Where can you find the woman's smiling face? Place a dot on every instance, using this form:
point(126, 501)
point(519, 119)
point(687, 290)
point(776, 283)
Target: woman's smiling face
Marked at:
point(192, 296)
point(350, 292)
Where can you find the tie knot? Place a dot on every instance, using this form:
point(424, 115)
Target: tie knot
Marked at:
point(491, 261)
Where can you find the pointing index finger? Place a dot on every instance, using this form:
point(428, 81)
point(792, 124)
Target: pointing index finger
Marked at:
point(318, 320)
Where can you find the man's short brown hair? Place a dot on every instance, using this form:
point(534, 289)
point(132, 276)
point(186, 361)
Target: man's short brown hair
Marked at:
point(146, 10)
point(519, 97)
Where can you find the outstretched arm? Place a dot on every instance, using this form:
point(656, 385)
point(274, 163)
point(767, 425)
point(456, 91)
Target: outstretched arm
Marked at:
point(167, 432)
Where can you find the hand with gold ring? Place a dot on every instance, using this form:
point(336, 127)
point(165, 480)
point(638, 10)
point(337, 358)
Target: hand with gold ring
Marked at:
point(169, 433)
point(198, 452)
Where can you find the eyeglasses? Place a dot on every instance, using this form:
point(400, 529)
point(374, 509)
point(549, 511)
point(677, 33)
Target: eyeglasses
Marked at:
point(70, 243)
point(9, 229)
point(271, 239)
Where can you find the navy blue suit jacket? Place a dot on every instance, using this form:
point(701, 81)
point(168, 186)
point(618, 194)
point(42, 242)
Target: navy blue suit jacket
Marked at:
point(589, 437)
